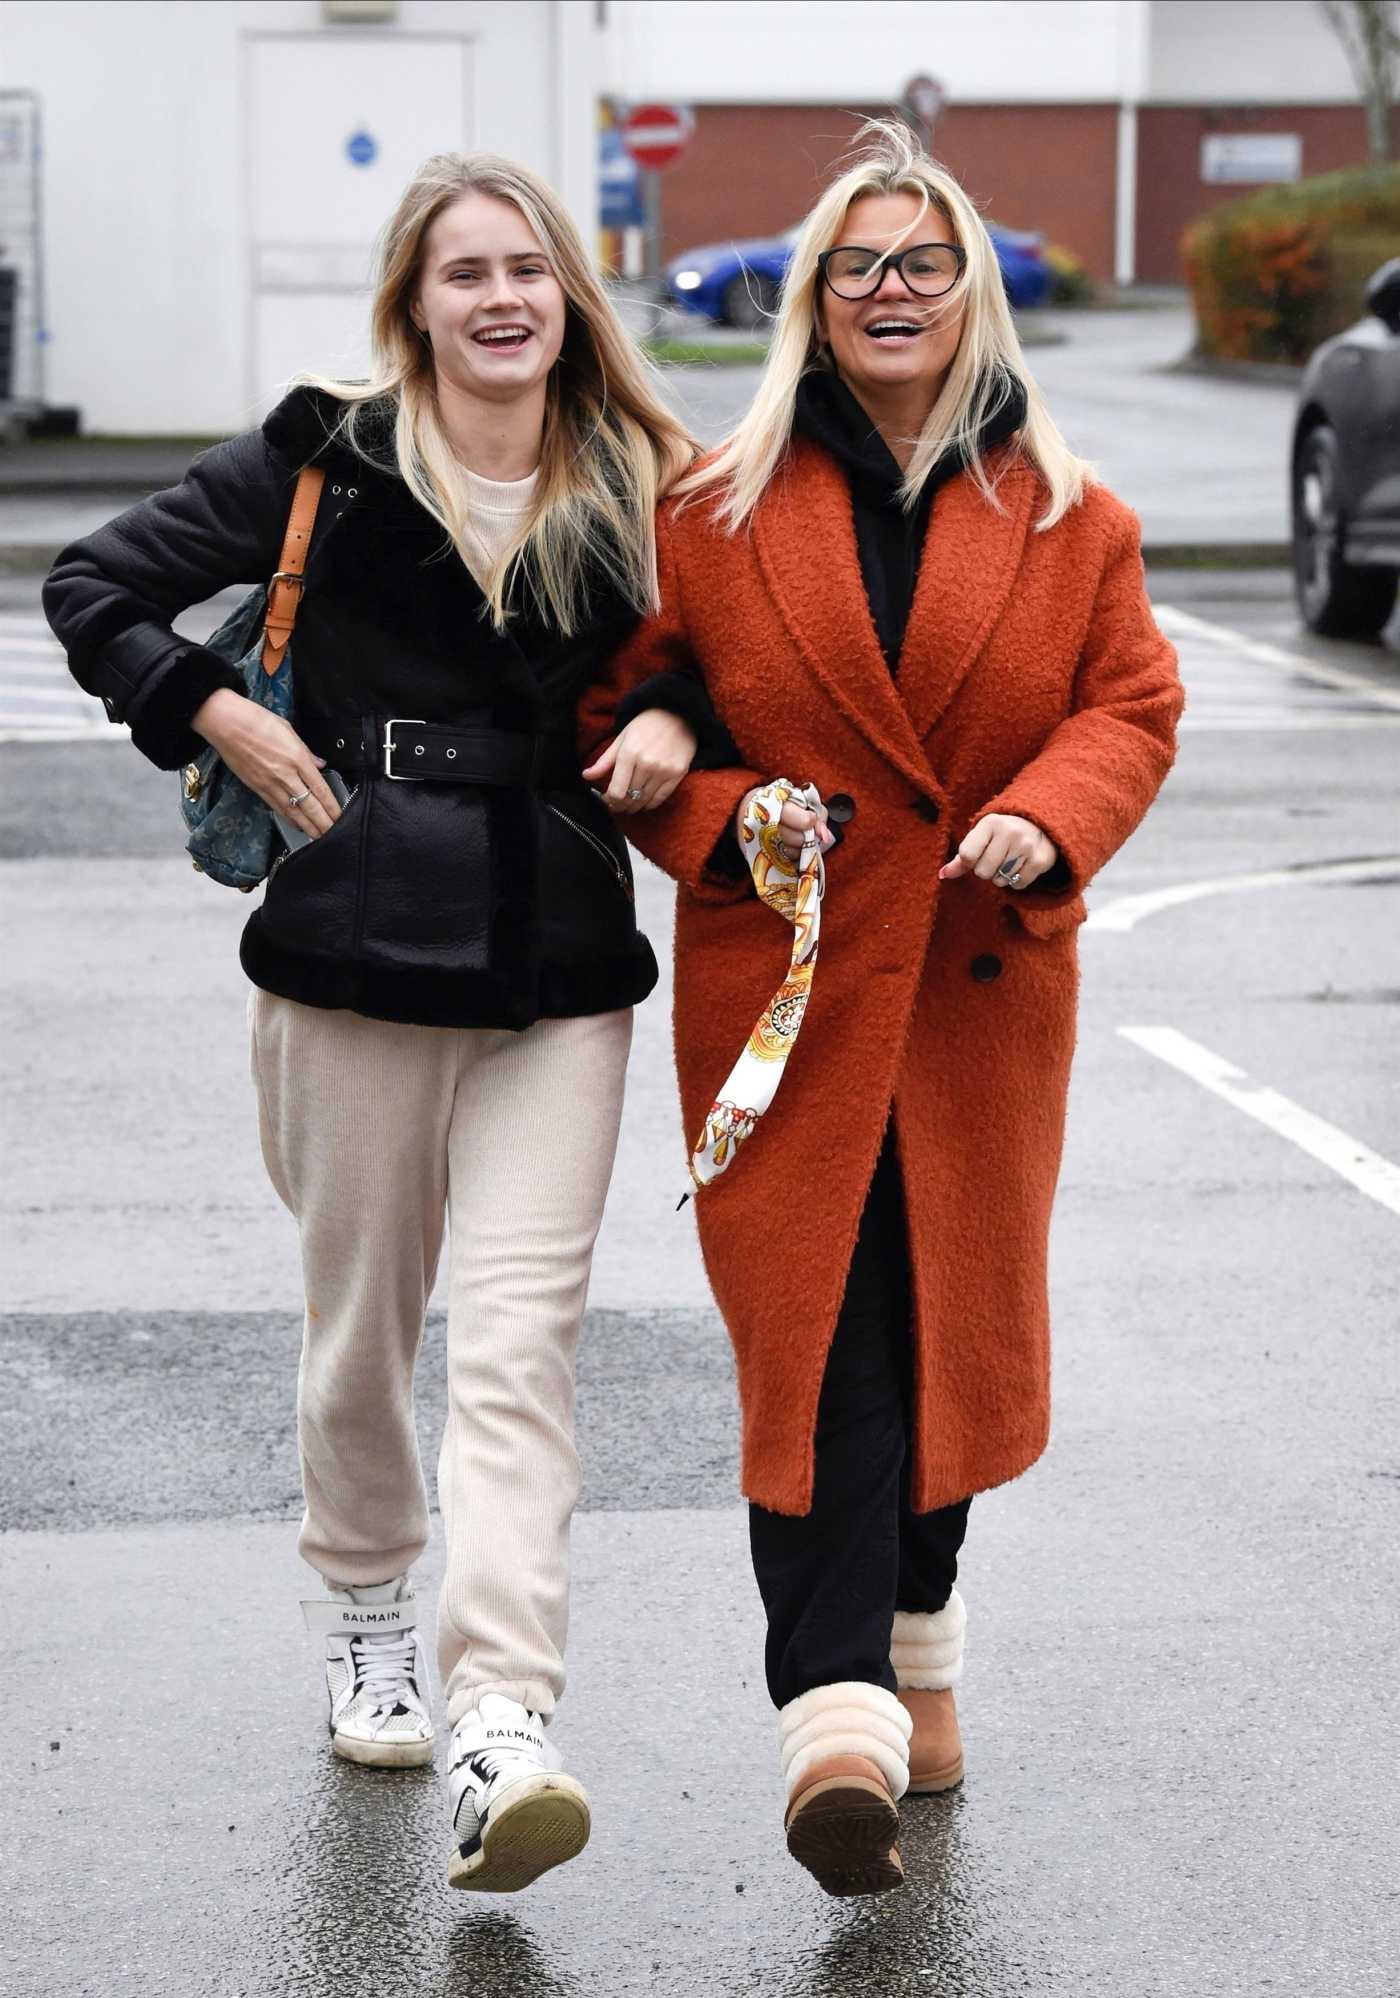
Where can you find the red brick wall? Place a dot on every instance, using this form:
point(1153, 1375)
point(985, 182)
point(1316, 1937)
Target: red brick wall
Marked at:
point(1171, 192)
point(1040, 166)
point(752, 169)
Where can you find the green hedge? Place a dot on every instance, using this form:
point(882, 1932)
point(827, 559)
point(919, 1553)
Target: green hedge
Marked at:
point(1276, 272)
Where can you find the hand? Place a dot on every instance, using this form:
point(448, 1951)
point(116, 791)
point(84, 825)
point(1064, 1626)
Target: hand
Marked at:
point(795, 822)
point(644, 763)
point(994, 843)
point(270, 757)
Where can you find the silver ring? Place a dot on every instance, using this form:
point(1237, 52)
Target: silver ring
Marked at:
point(293, 802)
point(1014, 880)
point(1009, 869)
point(635, 794)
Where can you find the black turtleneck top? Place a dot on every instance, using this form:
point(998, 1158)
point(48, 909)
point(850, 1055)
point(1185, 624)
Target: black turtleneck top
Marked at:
point(890, 538)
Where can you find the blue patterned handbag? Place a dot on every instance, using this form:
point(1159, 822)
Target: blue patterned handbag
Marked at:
point(232, 837)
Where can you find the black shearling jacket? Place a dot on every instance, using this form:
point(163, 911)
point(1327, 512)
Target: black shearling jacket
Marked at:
point(442, 904)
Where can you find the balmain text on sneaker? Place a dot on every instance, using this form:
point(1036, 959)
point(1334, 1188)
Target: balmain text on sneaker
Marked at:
point(376, 1674)
point(514, 1811)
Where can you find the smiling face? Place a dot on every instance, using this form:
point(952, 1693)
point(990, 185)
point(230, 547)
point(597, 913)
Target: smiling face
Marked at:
point(893, 341)
point(489, 300)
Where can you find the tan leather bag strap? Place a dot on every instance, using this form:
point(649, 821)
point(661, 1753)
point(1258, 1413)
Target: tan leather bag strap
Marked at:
point(284, 591)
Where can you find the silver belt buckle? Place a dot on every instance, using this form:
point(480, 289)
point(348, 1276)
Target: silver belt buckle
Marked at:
point(408, 721)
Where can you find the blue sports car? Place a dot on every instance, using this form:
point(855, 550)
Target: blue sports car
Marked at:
point(737, 284)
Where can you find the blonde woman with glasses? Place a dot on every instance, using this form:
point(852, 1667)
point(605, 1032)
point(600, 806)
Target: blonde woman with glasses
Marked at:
point(899, 586)
point(444, 969)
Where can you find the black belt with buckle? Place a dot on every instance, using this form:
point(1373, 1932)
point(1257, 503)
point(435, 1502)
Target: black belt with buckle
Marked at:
point(406, 750)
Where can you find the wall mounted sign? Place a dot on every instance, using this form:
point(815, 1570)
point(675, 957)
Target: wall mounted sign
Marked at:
point(1251, 158)
point(361, 148)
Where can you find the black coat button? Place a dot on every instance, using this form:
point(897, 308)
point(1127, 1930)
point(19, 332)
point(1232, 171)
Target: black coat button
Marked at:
point(840, 808)
point(986, 967)
point(928, 808)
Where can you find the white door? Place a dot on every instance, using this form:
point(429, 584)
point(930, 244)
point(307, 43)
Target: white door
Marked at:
point(336, 127)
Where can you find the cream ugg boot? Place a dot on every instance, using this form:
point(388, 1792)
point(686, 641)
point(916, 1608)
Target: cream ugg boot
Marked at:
point(845, 1762)
point(927, 1655)
point(927, 1651)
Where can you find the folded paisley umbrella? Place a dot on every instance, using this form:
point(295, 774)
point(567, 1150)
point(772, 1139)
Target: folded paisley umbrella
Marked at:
point(794, 891)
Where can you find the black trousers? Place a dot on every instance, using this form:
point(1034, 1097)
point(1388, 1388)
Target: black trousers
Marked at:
point(832, 1580)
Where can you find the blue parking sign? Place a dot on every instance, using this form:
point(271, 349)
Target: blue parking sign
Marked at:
point(361, 147)
point(620, 204)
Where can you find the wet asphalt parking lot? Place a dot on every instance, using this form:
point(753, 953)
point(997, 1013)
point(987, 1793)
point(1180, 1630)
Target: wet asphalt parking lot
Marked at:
point(1179, 1697)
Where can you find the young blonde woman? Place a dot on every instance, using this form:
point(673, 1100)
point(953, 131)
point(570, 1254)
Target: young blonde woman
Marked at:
point(444, 974)
point(900, 587)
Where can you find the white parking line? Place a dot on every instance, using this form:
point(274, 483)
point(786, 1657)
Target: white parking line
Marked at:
point(22, 732)
point(1354, 1162)
point(30, 650)
point(1185, 624)
point(26, 687)
point(1309, 722)
point(1129, 910)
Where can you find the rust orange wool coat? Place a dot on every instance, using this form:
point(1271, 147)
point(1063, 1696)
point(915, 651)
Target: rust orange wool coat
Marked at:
point(1032, 680)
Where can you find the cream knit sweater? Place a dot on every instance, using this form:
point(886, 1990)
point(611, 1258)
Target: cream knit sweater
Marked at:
point(497, 506)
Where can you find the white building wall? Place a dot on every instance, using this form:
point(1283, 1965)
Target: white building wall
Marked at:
point(147, 247)
point(142, 240)
point(149, 251)
point(865, 51)
point(983, 51)
point(1245, 52)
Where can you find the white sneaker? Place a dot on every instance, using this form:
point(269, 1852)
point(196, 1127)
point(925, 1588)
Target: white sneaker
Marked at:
point(514, 1811)
point(376, 1674)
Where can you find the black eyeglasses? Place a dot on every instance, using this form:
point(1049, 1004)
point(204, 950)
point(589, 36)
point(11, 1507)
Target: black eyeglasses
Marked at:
point(929, 269)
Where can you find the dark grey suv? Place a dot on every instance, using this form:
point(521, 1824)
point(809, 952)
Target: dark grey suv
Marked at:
point(1346, 472)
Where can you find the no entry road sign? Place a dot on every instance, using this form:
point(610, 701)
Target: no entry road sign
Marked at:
point(656, 134)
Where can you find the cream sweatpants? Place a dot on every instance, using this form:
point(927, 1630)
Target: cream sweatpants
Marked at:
point(373, 1133)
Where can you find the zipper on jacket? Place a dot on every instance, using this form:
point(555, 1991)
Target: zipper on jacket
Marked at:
point(604, 852)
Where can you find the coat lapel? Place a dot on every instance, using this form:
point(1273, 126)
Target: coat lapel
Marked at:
point(971, 556)
point(806, 544)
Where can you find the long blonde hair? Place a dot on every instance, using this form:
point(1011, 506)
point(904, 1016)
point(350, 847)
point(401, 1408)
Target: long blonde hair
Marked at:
point(887, 159)
point(611, 449)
